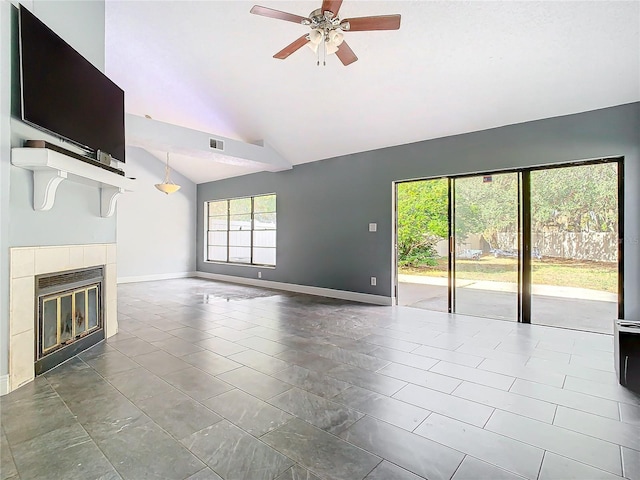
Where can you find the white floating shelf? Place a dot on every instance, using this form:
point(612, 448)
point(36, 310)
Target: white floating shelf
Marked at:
point(50, 168)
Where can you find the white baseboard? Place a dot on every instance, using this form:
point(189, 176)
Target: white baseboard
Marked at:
point(4, 384)
point(160, 276)
point(290, 287)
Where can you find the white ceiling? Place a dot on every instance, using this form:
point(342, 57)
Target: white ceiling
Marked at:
point(453, 67)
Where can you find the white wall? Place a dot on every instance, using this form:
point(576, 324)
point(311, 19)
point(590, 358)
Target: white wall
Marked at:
point(156, 232)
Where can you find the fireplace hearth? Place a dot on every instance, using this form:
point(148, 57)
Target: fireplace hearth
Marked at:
point(70, 315)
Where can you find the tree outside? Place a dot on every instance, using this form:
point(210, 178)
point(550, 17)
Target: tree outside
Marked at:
point(422, 221)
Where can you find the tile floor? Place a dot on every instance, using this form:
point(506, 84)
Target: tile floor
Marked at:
point(208, 380)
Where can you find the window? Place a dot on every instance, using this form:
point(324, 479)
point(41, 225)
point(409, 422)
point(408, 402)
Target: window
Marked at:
point(242, 230)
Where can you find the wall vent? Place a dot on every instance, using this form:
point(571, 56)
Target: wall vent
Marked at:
point(216, 144)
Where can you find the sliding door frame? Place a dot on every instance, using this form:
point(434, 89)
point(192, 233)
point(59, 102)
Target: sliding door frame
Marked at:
point(451, 254)
point(524, 231)
point(620, 186)
point(621, 237)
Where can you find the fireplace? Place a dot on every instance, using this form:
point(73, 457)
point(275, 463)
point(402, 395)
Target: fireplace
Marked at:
point(70, 316)
point(36, 284)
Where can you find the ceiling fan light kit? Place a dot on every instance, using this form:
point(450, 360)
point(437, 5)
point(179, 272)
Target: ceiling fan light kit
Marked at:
point(328, 30)
point(330, 42)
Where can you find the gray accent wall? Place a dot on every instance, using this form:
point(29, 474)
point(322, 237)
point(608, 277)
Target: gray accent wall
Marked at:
point(156, 232)
point(75, 216)
point(324, 207)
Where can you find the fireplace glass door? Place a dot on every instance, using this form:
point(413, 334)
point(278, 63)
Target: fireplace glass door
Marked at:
point(67, 316)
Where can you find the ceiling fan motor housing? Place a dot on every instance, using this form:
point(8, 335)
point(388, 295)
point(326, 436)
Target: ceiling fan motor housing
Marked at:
point(325, 21)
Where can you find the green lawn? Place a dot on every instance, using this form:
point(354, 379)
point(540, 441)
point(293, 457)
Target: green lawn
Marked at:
point(548, 271)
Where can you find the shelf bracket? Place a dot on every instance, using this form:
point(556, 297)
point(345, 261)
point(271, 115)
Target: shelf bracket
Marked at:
point(108, 198)
point(45, 185)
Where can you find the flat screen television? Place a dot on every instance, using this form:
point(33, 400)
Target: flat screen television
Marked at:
point(64, 94)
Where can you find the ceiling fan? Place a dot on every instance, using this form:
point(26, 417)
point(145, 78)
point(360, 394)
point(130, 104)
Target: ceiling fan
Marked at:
point(327, 29)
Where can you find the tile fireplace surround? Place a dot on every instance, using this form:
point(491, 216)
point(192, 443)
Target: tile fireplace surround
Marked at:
point(26, 263)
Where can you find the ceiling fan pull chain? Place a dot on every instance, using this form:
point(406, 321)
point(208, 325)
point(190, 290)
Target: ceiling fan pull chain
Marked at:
point(324, 50)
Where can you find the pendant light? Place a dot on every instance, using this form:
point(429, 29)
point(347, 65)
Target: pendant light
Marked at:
point(167, 186)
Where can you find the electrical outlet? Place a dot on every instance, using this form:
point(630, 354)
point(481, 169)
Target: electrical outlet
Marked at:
point(373, 281)
point(373, 227)
point(259, 274)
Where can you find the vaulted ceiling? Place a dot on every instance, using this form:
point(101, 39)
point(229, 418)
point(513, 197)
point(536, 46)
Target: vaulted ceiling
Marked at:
point(451, 68)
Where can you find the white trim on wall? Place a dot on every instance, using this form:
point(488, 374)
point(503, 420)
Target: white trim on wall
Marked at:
point(288, 287)
point(159, 276)
point(4, 384)
point(306, 289)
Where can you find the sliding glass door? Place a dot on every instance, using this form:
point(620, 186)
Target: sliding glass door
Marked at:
point(486, 244)
point(422, 243)
point(536, 245)
point(574, 239)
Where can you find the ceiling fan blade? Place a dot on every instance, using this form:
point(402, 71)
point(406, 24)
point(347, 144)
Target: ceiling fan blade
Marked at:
point(270, 12)
point(345, 54)
point(332, 6)
point(292, 47)
point(382, 22)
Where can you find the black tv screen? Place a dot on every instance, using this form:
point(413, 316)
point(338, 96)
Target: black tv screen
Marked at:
point(63, 93)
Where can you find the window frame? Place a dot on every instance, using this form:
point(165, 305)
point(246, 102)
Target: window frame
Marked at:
point(228, 217)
